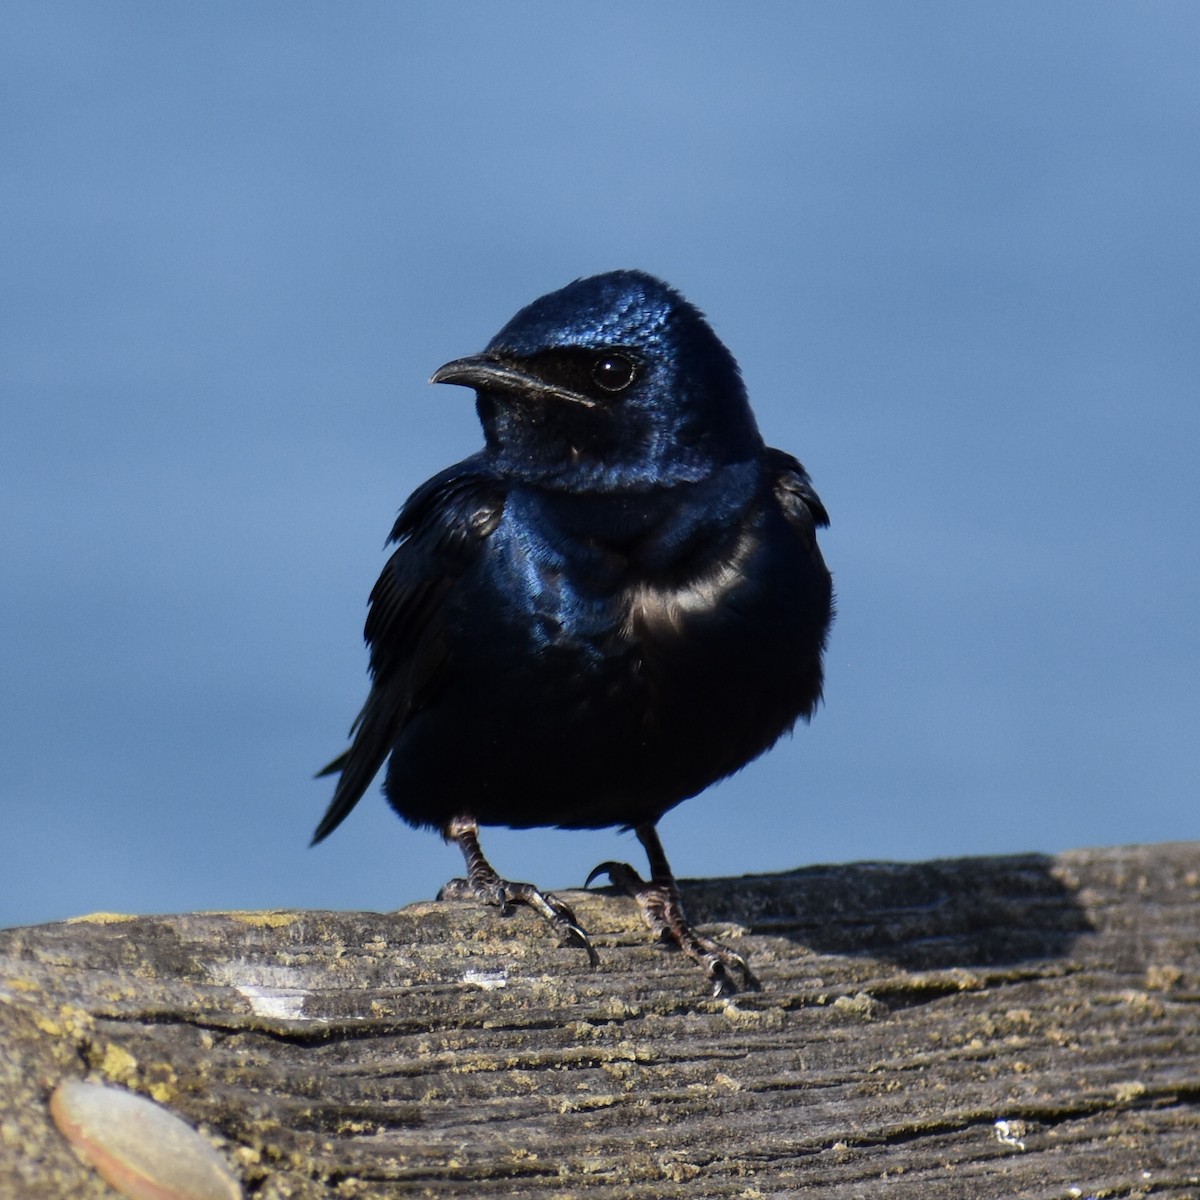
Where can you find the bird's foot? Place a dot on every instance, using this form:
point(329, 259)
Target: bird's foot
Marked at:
point(661, 907)
point(483, 884)
point(504, 893)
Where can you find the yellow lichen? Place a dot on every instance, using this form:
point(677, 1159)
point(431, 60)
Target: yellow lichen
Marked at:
point(48, 1025)
point(20, 985)
point(118, 1065)
point(270, 919)
point(75, 1021)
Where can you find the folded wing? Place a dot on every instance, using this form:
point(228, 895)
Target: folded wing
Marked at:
point(439, 534)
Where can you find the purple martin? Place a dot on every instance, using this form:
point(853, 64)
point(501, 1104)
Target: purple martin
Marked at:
point(616, 602)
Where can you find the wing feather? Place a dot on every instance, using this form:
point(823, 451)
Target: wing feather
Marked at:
point(438, 534)
point(796, 495)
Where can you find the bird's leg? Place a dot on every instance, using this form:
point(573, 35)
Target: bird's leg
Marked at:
point(662, 909)
point(482, 883)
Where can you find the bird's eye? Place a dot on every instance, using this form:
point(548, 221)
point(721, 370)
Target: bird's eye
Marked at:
point(613, 372)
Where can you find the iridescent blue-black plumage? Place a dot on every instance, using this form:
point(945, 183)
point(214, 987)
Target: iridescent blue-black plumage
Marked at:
point(618, 601)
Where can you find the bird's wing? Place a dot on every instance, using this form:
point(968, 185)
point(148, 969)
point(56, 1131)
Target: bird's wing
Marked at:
point(796, 495)
point(439, 533)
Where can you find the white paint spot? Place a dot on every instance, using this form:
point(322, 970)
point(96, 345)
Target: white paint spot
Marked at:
point(1011, 1133)
point(285, 1004)
point(488, 980)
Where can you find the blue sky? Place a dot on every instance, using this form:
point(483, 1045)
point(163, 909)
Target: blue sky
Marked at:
point(954, 248)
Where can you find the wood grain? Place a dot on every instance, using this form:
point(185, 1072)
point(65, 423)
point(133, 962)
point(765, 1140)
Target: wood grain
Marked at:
point(445, 1050)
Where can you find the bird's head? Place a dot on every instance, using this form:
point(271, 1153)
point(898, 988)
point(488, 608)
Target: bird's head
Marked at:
point(612, 382)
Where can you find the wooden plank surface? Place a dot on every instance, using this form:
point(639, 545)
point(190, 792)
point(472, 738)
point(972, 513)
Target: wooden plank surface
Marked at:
point(445, 1050)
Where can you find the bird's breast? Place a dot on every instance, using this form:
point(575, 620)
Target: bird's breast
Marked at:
point(653, 608)
point(605, 591)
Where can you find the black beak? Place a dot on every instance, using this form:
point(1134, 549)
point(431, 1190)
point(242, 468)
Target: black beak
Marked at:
point(484, 371)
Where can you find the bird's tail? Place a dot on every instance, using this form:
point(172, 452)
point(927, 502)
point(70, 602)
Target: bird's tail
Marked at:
point(335, 767)
point(356, 767)
point(353, 782)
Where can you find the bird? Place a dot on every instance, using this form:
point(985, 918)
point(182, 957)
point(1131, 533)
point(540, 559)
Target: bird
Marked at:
point(616, 602)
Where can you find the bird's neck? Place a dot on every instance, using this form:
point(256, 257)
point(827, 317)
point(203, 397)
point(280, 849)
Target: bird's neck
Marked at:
point(661, 519)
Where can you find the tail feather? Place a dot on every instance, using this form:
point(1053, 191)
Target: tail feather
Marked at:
point(357, 771)
point(336, 767)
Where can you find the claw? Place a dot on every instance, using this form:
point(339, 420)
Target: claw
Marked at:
point(482, 883)
point(718, 960)
point(661, 907)
point(621, 875)
point(605, 868)
point(554, 911)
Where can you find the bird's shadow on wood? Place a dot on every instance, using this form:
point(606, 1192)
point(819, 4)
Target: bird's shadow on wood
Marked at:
point(921, 916)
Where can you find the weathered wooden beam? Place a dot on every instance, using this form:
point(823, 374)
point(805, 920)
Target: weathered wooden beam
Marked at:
point(445, 1050)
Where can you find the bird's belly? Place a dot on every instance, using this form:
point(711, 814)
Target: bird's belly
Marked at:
point(608, 722)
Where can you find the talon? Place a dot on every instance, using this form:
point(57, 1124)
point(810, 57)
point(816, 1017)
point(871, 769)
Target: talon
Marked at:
point(556, 912)
point(579, 935)
point(720, 959)
point(722, 985)
point(662, 911)
point(605, 868)
point(482, 883)
point(620, 875)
